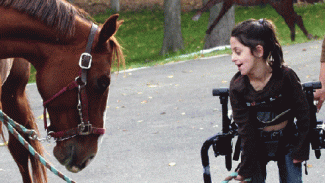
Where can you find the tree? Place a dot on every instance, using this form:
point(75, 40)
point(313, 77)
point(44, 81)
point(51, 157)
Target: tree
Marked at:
point(221, 33)
point(115, 5)
point(173, 39)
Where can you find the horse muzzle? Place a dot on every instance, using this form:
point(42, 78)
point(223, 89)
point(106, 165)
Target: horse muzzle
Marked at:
point(76, 153)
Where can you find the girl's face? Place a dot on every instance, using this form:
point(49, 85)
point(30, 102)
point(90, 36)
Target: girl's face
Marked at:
point(242, 57)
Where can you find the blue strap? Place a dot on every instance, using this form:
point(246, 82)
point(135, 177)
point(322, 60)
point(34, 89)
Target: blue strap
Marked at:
point(235, 174)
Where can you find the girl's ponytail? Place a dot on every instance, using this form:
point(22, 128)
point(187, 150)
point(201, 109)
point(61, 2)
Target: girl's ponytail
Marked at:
point(277, 57)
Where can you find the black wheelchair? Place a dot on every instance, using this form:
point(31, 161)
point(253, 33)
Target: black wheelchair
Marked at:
point(222, 141)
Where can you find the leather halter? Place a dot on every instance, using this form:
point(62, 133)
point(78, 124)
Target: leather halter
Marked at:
point(85, 127)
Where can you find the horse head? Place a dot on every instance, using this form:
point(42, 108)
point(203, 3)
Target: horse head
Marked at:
point(76, 93)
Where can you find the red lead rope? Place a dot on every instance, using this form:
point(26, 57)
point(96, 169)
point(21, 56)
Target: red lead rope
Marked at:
point(71, 86)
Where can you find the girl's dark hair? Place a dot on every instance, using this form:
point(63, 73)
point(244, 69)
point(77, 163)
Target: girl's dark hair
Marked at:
point(253, 32)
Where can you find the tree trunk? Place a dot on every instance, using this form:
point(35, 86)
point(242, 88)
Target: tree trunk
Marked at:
point(221, 33)
point(115, 5)
point(173, 40)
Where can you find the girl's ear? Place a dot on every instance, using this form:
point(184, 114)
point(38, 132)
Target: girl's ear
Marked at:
point(259, 51)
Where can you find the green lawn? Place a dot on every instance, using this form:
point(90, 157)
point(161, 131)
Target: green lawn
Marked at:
point(142, 33)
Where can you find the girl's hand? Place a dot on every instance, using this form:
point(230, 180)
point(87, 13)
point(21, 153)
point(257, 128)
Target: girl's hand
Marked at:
point(241, 179)
point(237, 177)
point(297, 161)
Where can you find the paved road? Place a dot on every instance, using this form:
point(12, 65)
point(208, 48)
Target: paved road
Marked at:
point(159, 117)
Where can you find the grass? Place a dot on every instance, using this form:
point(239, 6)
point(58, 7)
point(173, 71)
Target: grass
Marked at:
point(142, 32)
point(142, 36)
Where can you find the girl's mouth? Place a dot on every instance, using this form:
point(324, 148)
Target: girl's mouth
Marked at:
point(239, 65)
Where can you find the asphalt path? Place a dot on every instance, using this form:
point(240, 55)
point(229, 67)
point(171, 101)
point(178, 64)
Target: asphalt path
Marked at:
point(158, 119)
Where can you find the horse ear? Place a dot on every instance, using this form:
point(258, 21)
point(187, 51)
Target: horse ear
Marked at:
point(109, 29)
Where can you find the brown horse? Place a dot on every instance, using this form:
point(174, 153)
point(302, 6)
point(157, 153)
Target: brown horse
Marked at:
point(283, 7)
point(73, 59)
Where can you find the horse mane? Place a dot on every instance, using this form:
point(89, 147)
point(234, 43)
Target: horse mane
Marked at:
point(58, 14)
point(118, 56)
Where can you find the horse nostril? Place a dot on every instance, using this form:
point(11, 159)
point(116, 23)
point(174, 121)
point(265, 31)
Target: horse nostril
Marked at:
point(75, 167)
point(86, 162)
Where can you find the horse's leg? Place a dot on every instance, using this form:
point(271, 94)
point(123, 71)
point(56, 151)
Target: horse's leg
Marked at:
point(225, 7)
point(285, 9)
point(1, 126)
point(207, 6)
point(16, 106)
point(18, 113)
point(298, 19)
point(300, 23)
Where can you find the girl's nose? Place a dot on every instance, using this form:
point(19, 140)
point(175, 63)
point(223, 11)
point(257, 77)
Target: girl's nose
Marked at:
point(233, 58)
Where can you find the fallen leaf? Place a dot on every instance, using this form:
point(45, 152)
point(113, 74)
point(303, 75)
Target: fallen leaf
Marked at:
point(183, 113)
point(224, 81)
point(152, 86)
point(140, 121)
point(163, 113)
point(172, 164)
point(310, 166)
point(171, 76)
point(4, 144)
point(42, 116)
point(140, 93)
point(144, 102)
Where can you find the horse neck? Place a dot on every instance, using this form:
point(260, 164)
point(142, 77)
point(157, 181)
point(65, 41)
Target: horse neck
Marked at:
point(26, 37)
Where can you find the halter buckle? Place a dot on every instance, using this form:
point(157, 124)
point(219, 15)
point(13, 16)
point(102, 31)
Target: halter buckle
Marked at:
point(85, 60)
point(84, 129)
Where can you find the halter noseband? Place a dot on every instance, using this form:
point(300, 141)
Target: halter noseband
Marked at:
point(84, 128)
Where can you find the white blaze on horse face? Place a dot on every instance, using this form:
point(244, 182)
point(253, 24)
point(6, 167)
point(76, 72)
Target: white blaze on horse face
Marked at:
point(100, 139)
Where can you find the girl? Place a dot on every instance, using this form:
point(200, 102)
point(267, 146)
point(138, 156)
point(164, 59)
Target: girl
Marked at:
point(265, 96)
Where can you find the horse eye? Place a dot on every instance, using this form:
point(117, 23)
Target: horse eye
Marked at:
point(102, 83)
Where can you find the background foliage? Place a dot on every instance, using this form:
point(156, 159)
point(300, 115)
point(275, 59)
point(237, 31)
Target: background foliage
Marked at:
point(142, 32)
